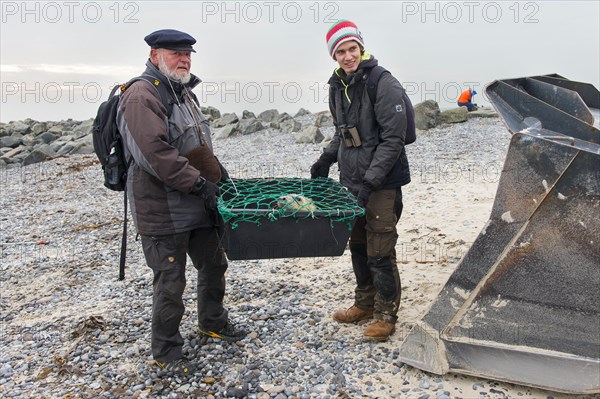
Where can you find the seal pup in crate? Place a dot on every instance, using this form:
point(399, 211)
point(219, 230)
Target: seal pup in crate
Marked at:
point(296, 202)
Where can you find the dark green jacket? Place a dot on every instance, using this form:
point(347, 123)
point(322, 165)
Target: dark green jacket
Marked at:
point(381, 160)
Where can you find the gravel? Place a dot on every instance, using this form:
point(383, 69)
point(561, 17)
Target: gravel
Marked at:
point(70, 329)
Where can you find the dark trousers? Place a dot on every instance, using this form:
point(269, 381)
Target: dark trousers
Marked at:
point(166, 256)
point(373, 252)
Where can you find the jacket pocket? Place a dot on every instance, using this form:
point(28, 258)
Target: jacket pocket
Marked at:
point(349, 164)
point(184, 137)
point(381, 223)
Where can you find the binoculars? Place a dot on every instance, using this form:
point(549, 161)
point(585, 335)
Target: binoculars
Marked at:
point(351, 136)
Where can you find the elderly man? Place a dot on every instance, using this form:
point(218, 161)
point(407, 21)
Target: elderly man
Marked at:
point(368, 145)
point(172, 188)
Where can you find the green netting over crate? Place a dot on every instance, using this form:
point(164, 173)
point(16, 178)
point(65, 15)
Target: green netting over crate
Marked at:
point(263, 200)
point(286, 217)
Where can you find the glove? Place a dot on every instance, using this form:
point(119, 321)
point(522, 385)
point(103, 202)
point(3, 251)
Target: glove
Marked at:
point(206, 190)
point(321, 167)
point(363, 195)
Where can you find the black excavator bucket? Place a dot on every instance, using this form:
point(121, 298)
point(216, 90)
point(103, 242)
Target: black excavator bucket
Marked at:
point(523, 305)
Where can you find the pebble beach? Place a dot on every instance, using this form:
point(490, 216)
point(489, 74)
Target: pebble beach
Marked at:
point(70, 329)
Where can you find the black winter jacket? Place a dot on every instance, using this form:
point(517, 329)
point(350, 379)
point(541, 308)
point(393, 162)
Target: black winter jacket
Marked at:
point(381, 160)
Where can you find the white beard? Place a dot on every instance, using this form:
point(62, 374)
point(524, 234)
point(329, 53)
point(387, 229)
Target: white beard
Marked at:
point(162, 66)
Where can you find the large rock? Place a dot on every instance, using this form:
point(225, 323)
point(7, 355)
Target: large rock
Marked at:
point(84, 145)
point(66, 138)
point(483, 112)
point(82, 148)
point(83, 129)
point(38, 128)
point(10, 141)
point(225, 120)
point(66, 148)
point(19, 127)
point(64, 145)
point(283, 117)
point(21, 156)
point(39, 154)
point(309, 134)
point(249, 126)
point(57, 145)
point(427, 115)
point(69, 125)
point(248, 115)
point(212, 111)
point(455, 115)
point(324, 119)
point(227, 131)
point(31, 140)
point(87, 139)
point(302, 112)
point(269, 115)
point(48, 137)
point(290, 126)
point(56, 129)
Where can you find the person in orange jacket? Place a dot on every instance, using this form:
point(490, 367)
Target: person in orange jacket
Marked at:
point(465, 100)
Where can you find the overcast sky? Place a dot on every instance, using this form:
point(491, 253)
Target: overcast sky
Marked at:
point(60, 59)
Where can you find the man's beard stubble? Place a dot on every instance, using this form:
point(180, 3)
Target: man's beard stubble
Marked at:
point(162, 66)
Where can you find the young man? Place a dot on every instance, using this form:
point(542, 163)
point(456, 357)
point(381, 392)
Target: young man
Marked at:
point(172, 188)
point(369, 146)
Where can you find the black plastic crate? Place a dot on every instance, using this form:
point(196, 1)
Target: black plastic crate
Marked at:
point(282, 234)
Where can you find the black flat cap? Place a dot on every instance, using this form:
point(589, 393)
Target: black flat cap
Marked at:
point(170, 39)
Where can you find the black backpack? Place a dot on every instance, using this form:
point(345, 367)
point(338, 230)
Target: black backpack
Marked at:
point(108, 146)
point(372, 82)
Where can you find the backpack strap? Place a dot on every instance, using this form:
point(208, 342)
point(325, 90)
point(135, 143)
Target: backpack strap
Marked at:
point(123, 237)
point(373, 81)
point(161, 91)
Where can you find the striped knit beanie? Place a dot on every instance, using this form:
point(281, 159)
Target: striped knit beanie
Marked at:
point(340, 32)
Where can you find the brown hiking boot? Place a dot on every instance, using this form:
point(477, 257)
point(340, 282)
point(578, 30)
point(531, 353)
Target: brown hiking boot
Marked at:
point(352, 315)
point(379, 330)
